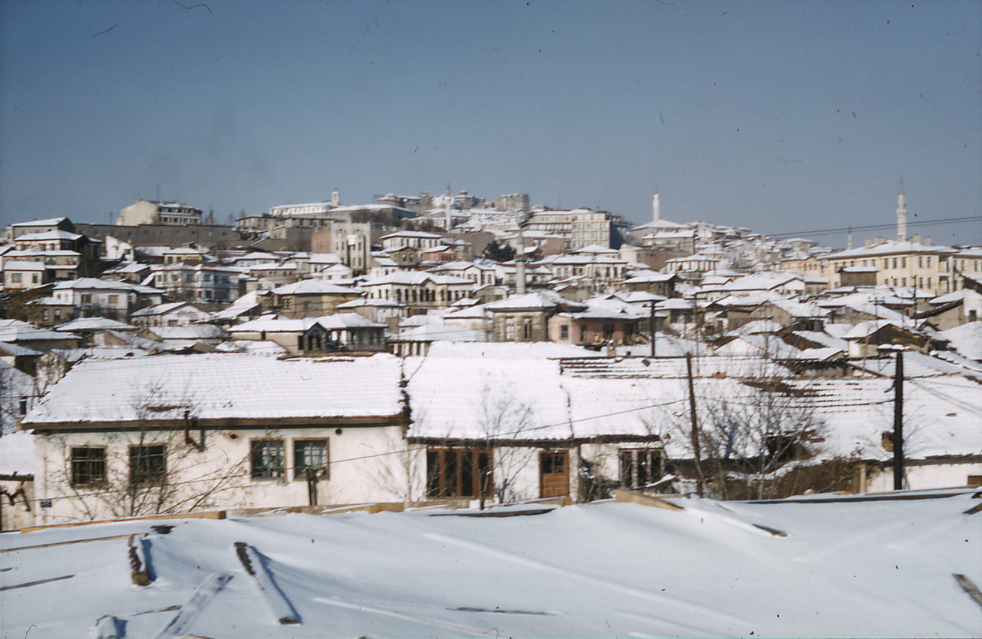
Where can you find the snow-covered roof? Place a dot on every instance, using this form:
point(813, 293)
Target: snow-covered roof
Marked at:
point(223, 386)
point(189, 332)
point(533, 301)
point(892, 248)
point(47, 235)
point(22, 265)
point(313, 287)
point(966, 339)
point(412, 234)
point(94, 324)
point(91, 283)
point(159, 309)
point(440, 332)
point(51, 221)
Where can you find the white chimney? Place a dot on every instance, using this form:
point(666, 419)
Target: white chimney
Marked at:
point(336, 198)
point(656, 208)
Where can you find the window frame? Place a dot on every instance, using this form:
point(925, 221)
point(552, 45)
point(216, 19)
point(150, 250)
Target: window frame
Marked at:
point(447, 470)
point(299, 468)
point(267, 469)
point(151, 465)
point(88, 470)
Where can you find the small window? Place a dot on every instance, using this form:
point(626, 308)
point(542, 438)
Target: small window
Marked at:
point(148, 465)
point(113, 300)
point(16, 278)
point(86, 298)
point(310, 454)
point(564, 331)
point(88, 466)
point(267, 459)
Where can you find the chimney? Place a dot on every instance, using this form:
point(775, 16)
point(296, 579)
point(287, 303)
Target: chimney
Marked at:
point(869, 242)
point(656, 208)
point(927, 241)
point(916, 238)
point(336, 198)
point(877, 241)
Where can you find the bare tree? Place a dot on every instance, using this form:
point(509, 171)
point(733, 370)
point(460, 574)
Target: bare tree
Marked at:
point(756, 434)
point(502, 419)
point(161, 465)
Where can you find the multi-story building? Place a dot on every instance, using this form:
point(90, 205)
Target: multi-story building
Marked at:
point(201, 283)
point(899, 263)
point(14, 231)
point(579, 227)
point(92, 297)
point(144, 212)
point(419, 291)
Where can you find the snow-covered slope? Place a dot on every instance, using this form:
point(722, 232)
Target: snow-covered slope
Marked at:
point(808, 568)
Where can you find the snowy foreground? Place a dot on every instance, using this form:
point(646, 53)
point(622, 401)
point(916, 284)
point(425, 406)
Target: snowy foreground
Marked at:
point(805, 568)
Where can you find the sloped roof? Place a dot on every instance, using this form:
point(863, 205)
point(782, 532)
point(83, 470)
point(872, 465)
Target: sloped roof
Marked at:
point(538, 300)
point(314, 287)
point(223, 386)
point(94, 324)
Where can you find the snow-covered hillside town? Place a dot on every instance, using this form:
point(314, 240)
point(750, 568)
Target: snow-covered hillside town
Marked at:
point(448, 349)
point(442, 359)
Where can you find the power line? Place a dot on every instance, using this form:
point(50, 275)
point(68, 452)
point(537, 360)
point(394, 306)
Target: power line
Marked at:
point(877, 227)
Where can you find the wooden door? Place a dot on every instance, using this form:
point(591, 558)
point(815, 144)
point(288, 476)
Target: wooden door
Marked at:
point(554, 474)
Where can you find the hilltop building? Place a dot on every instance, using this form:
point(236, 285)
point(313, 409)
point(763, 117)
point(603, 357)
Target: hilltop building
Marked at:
point(155, 212)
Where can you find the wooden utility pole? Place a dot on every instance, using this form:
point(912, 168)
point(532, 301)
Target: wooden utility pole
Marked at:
point(898, 423)
point(652, 329)
point(695, 426)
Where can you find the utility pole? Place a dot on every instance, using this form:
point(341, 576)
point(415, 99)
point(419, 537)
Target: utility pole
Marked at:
point(653, 328)
point(898, 423)
point(695, 426)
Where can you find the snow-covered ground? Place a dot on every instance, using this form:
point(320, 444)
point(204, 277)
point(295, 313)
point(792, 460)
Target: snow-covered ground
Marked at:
point(851, 567)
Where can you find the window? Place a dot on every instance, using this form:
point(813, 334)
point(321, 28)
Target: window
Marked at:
point(86, 298)
point(148, 465)
point(640, 467)
point(34, 278)
point(113, 300)
point(88, 466)
point(458, 473)
point(527, 328)
point(15, 278)
point(267, 459)
point(310, 454)
point(564, 331)
point(608, 331)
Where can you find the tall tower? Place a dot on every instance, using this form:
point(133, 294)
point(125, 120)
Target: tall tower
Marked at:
point(901, 214)
point(655, 208)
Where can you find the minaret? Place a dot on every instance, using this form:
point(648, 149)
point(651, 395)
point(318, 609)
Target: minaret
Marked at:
point(901, 214)
point(656, 208)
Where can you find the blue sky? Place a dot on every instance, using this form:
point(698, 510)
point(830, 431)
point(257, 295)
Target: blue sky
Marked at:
point(782, 117)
